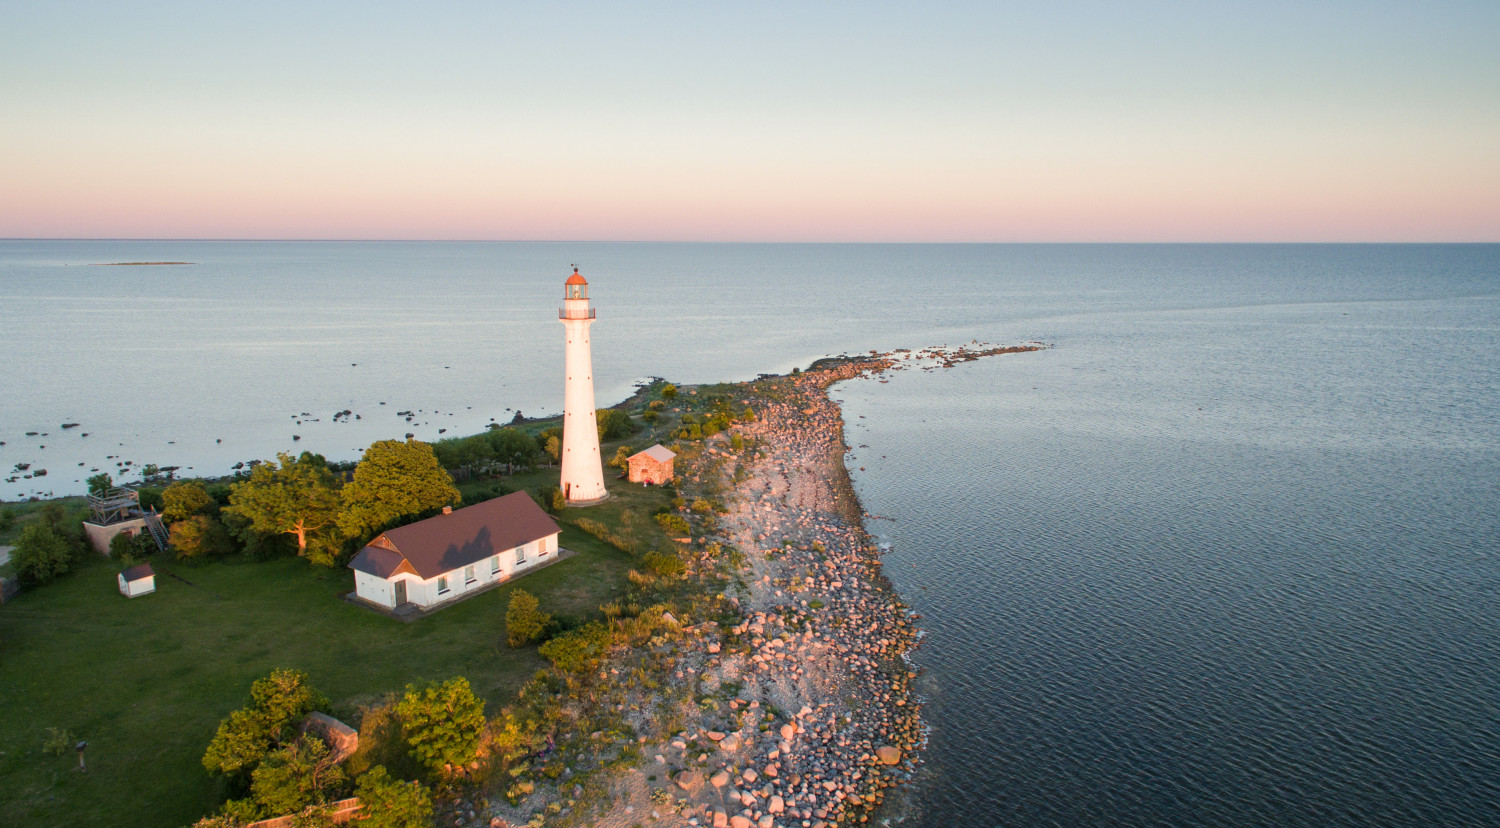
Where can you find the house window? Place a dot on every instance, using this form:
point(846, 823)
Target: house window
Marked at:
point(442, 584)
point(495, 565)
point(521, 554)
point(469, 575)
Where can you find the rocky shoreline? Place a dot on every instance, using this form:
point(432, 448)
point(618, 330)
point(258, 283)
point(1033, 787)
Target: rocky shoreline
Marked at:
point(797, 707)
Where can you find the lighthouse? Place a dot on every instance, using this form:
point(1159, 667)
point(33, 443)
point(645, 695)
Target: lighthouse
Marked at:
point(582, 467)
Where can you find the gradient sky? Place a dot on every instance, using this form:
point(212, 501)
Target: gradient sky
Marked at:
point(1046, 121)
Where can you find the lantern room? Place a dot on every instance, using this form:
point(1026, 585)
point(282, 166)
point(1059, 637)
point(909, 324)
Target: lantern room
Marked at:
point(576, 287)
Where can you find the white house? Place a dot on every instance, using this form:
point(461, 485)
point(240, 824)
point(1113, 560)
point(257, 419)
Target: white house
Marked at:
point(455, 554)
point(137, 580)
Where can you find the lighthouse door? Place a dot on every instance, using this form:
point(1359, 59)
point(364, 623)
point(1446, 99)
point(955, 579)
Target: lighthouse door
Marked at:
point(567, 490)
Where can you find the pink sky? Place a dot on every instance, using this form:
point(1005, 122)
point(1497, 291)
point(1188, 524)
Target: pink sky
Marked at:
point(1160, 123)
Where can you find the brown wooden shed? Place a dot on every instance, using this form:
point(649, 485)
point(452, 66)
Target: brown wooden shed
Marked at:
point(654, 465)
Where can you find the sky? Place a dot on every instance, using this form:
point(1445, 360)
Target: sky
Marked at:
point(805, 121)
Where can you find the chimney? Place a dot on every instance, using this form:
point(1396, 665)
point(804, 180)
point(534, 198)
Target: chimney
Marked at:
point(447, 510)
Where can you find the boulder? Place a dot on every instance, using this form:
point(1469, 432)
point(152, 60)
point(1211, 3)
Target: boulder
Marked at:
point(719, 779)
point(690, 781)
point(888, 755)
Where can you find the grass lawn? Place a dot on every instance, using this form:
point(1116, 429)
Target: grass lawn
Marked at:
point(146, 681)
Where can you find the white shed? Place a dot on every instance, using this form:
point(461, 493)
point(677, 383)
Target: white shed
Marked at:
point(456, 554)
point(137, 580)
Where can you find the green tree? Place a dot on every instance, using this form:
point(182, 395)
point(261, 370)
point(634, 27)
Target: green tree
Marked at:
point(100, 483)
point(621, 460)
point(613, 423)
point(394, 480)
point(184, 499)
point(524, 619)
point(301, 773)
point(551, 499)
point(296, 497)
point(551, 442)
point(278, 703)
point(388, 802)
point(150, 497)
point(513, 447)
point(443, 723)
point(200, 536)
point(41, 554)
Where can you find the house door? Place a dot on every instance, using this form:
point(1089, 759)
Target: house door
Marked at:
point(400, 592)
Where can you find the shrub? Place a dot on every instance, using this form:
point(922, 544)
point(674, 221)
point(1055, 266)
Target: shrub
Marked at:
point(673, 525)
point(551, 499)
point(444, 723)
point(41, 555)
point(58, 742)
point(669, 391)
point(524, 619)
point(200, 536)
point(300, 774)
point(277, 703)
point(390, 803)
point(667, 565)
point(578, 651)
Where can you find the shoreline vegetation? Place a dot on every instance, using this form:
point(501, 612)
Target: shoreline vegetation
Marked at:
point(750, 670)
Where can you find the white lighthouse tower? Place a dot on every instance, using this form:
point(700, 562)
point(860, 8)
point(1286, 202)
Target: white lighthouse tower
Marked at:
point(582, 467)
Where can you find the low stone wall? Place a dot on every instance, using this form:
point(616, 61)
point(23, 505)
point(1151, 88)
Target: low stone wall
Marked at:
point(340, 812)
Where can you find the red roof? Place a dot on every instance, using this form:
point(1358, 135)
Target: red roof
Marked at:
point(575, 279)
point(447, 542)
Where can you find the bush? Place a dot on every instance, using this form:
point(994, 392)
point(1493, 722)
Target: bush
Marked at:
point(150, 497)
point(551, 499)
point(667, 565)
point(300, 774)
point(578, 651)
point(390, 803)
point(41, 555)
point(58, 742)
point(444, 723)
point(277, 703)
point(524, 619)
point(673, 525)
point(128, 549)
point(669, 391)
point(200, 536)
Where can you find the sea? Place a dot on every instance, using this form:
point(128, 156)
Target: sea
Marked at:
point(1226, 553)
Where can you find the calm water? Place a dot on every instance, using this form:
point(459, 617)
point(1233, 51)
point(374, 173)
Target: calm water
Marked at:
point(1226, 555)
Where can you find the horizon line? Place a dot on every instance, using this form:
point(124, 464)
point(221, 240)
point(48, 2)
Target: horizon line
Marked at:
point(696, 241)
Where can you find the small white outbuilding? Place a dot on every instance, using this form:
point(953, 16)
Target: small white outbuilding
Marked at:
point(137, 580)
